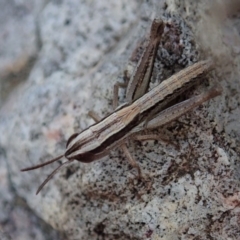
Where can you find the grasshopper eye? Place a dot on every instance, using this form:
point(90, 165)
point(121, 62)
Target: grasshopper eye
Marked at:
point(71, 138)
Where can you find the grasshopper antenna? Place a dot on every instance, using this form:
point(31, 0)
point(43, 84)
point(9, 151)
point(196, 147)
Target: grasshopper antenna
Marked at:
point(51, 175)
point(42, 164)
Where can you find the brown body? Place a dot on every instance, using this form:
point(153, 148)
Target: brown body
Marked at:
point(96, 141)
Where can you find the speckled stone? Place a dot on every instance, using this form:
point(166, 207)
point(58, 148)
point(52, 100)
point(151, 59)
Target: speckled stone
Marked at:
point(188, 193)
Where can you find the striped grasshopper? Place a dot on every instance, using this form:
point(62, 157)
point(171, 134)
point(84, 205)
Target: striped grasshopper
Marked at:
point(142, 111)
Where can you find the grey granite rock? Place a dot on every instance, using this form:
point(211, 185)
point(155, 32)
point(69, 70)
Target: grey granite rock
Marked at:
point(191, 193)
point(18, 42)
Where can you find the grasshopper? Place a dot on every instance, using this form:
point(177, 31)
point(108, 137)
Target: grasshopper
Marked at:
point(127, 120)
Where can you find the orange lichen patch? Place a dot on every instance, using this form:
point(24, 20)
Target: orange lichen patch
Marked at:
point(53, 135)
point(232, 201)
point(59, 127)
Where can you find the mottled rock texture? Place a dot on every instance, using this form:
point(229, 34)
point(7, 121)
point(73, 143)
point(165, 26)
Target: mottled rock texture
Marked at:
point(81, 49)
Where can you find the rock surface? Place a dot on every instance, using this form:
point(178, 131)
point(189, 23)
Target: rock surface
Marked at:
point(85, 46)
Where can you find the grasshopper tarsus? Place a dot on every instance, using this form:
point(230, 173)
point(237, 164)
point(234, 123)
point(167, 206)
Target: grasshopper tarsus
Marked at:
point(131, 160)
point(156, 137)
point(94, 116)
point(115, 93)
